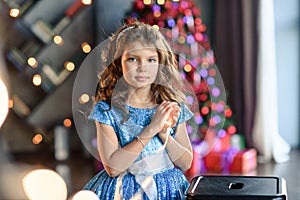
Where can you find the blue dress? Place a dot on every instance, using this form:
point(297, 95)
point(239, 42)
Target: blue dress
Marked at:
point(170, 182)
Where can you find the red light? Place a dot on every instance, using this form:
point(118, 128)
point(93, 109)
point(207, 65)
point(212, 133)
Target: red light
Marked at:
point(231, 129)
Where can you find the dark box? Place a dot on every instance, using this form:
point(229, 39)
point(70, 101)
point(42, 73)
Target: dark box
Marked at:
point(237, 187)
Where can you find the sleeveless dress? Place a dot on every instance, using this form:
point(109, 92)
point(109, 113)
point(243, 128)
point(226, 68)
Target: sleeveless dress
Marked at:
point(166, 181)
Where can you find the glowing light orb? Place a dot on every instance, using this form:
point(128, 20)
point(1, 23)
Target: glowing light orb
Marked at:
point(44, 184)
point(3, 102)
point(84, 195)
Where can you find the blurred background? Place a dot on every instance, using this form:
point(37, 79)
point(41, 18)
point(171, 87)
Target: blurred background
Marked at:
point(44, 43)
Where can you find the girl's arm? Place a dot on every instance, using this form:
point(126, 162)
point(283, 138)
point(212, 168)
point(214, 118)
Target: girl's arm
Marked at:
point(179, 148)
point(115, 159)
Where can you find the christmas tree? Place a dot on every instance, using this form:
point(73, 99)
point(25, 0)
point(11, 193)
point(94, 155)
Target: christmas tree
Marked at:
point(181, 24)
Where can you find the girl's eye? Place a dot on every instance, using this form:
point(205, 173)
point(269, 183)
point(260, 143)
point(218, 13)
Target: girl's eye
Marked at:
point(152, 60)
point(131, 59)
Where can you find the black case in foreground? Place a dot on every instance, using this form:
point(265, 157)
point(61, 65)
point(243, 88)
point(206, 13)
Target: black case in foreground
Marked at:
point(237, 187)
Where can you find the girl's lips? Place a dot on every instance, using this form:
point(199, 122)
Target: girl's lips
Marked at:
point(141, 78)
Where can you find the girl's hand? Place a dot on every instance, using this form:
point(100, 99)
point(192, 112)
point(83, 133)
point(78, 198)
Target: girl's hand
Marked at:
point(173, 117)
point(163, 112)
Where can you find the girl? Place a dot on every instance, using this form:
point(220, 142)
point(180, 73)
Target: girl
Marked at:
point(140, 119)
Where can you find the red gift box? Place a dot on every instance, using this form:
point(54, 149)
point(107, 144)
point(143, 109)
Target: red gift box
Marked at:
point(232, 160)
point(244, 161)
point(218, 161)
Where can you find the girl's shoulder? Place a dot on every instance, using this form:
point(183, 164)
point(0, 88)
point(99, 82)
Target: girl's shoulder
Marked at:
point(103, 105)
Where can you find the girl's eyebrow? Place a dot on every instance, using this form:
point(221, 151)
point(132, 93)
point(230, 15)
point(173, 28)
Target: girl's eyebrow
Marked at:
point(132, 54)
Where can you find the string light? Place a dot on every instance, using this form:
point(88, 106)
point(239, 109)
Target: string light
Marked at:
point(86, 48)
point(67, 123)
point(70, 66)
point(160, 2)
point(32, 62)
point(147, 2)
point(14, 12)
point(84, 99)
point(187, 68)
point(37, 80)
point(86, 2)
point(37, 139)
point(58, 40)
point(155, 27)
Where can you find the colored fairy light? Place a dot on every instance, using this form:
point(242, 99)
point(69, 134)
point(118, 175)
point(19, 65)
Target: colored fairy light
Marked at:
point(188, 12)
point(198, 21)
point(231, 129)
point(156, 13)
point(198, 119)
point(212, 72)
point(228, 112)
point(184, 4)
point(161, 2)
point(171, 22)
point(155, 27)
point(190, 99)
point(190, 39)
point(204, 72)
point(210, 81)
point(147, 2)
point(221, 133)
point(217, 119)
point(203, 97)
point(199, 37)
point(204, 110)
point(156, 8)
point(187, 68)
point(189, 129)
point(181, 40)
point(216, 92)
point(205, 65)
point(220, 106)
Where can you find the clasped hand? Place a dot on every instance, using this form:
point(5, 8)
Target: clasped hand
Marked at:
point(166, 115)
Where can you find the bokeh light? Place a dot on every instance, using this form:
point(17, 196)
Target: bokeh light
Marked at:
point(3, 102)
point(44, 184)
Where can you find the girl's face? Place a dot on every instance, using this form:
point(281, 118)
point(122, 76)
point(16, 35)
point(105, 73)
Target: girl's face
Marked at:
point(140, 65)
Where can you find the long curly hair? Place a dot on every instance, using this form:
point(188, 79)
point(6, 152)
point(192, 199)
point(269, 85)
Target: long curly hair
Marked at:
point(112, 88)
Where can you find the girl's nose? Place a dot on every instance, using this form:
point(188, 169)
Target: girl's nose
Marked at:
point(143, 66)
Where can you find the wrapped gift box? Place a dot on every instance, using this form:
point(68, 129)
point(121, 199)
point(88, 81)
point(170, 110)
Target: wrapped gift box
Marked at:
point(244, 161)
point(232, 160)
point(219, 161)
